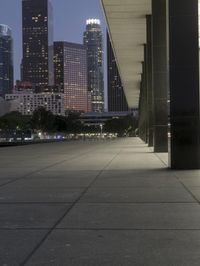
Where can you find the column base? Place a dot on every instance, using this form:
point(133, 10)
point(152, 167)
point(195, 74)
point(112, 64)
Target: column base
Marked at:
point(160, 139)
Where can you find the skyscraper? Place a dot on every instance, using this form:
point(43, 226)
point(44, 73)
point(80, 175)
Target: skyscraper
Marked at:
point(37, 23)
point(70, 72)
point(6, 60)
point(93, 41)
point(116, 98)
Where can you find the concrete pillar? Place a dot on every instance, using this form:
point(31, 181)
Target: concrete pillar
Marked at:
point(160, 81)
point(184, 84)
point(149, 81)
point(145, 87)
point(140, 126)
point(142, 108)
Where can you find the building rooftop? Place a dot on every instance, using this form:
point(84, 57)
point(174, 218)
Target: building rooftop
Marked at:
point(93, 21)
point(5, 30)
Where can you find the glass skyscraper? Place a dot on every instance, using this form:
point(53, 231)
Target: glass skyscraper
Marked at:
point(6, 60)
point(93, 41)
point(70, 72)
point(37, 24)
point(116, 98)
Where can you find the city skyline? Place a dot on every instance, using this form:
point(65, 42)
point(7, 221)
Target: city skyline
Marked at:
point(69, 24)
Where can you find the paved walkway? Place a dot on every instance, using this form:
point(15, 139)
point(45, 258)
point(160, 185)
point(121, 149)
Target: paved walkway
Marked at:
point(108, 203)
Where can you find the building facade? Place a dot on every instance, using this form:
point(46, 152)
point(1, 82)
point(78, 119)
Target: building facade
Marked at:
point(116, 97)
point(70, 72)
point(6, 60)
point(37, 24)
point(7, 106)
point(26, 86)
point(23, 86)
point(93, 41)
point(28, 102)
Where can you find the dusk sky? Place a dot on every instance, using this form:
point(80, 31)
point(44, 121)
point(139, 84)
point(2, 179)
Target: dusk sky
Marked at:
point(69, 21)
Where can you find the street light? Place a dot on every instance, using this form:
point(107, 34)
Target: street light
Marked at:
point(101, 127)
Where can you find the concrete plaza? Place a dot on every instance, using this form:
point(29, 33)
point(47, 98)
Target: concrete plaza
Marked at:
point(112, 203)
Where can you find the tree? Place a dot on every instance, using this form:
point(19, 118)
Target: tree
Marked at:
point(43, 120)
point(60, 123)
point(15, 120)
point(121, 126)
point(73, 122)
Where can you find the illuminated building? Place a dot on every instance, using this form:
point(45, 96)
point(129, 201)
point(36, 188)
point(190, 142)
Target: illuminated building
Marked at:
point(70, 72)
point(6, 60)
point(116, 98)
point(7, 106)
point(26, 86)
point(37, 23)
point(23, 86)
point(93, 41)
point(28, 102)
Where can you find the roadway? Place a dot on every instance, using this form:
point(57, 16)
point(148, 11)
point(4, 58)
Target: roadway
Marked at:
point(112, 203)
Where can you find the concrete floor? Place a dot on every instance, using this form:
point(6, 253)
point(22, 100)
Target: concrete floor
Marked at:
point(110, 203)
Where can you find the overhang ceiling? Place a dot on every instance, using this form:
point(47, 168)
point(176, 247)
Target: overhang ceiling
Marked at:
point(126, 20)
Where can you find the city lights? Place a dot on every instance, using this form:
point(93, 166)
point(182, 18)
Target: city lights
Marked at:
point(93, 21)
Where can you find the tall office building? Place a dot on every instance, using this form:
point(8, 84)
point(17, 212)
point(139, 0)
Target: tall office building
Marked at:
point(37, 23)
point(70, 72)
point(6, 60)
point(116, 98)
point(93, 41)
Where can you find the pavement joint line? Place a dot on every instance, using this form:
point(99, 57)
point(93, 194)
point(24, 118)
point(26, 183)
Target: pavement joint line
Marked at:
point(66, 213)
point(133, 187)
point(187, 189)
point(160, 159)
point(98, 229)
point(42, 169)
point(178, 178)
point(38, 157)
point(139, 203)
point(49, 230)
point(36, 203)
point(98, 203)
point(70, 188)
point(125, 229)
point(24, 229)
